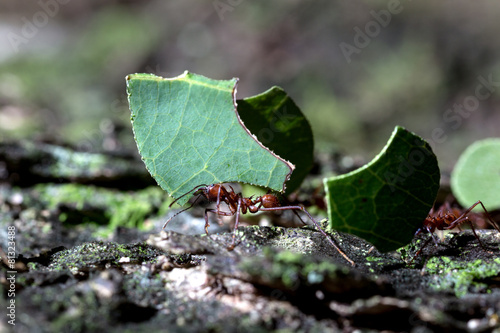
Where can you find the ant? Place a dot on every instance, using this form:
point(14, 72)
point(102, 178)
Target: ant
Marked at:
point(447, 221)
point(240, 205)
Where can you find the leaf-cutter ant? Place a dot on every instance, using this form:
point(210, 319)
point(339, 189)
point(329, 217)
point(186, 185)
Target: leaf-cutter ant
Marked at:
point(240, 205)
point(442, 220)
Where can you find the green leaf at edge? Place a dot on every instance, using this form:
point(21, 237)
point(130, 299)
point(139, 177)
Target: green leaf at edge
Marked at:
point(280, 125)
point(386, 200)
point(476, 175)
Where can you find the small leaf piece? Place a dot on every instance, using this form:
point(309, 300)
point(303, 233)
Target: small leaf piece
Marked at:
point(386, 200)
point(476, 175)
point(188, 133)
point(280, 125)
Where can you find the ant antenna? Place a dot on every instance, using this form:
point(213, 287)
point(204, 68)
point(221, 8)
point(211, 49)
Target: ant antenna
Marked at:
point(190, 191)
point(194, 188)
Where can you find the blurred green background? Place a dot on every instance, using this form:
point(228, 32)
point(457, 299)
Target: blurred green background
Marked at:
point(356, 68)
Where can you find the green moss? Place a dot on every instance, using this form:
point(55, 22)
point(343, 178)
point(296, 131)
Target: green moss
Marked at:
point(285, 257)
point(462, 277)
point(374, 259)
point(94, 254)
point(90, 204)
point(290, 268)
point(31, 266)
point(408, 251)
point(72, 309)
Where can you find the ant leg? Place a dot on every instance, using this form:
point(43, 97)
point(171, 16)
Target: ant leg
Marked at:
point(206, 219)
point(433, 237)
point(490, 221)
point(463, 219)
point(421, 249)
point(463, 216)
point(478, 239)
point(300, 218)
point(218, 212)
point(317, 226)
point(294, 211)
point(236, 222)
point(217, 205)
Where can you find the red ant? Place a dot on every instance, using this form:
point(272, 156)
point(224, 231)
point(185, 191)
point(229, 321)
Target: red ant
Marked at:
point(238, 204)
point(447, 221)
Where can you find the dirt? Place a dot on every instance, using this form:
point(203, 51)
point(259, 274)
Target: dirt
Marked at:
point(77, 272)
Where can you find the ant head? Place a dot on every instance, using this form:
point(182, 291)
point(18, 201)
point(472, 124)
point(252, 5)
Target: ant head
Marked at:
point(212, 192)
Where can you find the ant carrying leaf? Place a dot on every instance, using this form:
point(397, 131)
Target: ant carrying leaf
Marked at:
point(447, 218)
point(238, 204)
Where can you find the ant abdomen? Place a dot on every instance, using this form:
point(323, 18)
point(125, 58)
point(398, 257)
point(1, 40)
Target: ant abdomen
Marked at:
point(269, 201)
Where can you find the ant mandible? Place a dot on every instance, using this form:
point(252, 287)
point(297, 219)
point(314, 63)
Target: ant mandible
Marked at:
point(238, 204)
point(447, 221)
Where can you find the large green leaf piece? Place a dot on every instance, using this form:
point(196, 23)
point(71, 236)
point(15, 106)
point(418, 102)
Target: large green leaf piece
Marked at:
point(280, 125)
point(386, 200)
point(476, 175)
point(188, 133)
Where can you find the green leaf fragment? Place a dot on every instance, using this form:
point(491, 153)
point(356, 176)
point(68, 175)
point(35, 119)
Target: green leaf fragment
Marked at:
point(476, 175)
point(280, 125)
point(188, 133)
point(386, 200)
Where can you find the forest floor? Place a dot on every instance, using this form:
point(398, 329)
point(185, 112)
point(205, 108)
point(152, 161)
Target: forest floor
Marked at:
point(122, 273)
